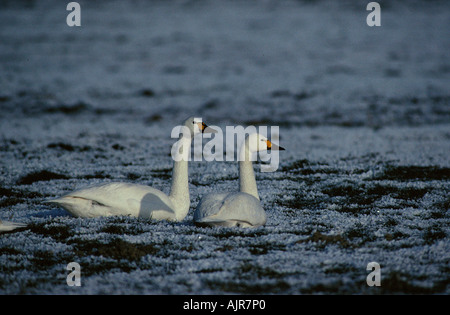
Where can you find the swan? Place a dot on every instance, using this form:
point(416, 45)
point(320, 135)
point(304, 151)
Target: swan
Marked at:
point(243, 208)
point(7, 226)
point(136, 200)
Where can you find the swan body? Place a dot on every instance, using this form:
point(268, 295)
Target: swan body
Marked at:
point(120, 199)
point(230, 209)
point(113, 199)
point(242, 208)
point(7, 226)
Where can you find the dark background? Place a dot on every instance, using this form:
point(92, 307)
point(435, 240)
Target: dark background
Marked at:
point(363, 113)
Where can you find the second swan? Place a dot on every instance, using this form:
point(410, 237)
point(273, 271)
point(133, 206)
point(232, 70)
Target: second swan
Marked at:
point(243, 208)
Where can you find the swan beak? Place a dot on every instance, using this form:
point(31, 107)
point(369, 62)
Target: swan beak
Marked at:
point(205, 128)
point(273, 146)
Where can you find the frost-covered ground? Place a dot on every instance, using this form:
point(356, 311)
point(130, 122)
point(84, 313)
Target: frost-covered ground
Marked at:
point(364, 115)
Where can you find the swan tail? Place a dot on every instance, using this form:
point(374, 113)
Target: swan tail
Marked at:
point(58, 200)
point(78, 207)
point(62, 202)
point(7, 226)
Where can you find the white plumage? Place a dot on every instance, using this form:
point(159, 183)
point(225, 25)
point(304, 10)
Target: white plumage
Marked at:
point(119, 199)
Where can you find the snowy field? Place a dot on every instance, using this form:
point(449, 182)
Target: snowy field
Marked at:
point(364, 115)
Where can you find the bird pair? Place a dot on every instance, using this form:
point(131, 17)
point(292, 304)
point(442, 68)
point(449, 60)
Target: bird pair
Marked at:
point(242, 208)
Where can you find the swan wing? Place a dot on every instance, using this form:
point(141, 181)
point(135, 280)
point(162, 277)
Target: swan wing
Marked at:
point(209, 205)
point(233, 209)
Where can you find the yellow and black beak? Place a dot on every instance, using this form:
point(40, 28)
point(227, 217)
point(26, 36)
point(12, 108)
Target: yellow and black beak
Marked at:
point(204, 128)
point(273, 146)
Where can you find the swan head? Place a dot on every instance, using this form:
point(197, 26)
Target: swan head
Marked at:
point(197, 126)
point(257, 142)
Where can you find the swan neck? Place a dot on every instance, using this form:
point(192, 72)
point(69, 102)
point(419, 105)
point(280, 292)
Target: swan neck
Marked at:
point(179, 191)
point(247, 180)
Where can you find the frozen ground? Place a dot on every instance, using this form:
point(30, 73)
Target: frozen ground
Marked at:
point(364, 114)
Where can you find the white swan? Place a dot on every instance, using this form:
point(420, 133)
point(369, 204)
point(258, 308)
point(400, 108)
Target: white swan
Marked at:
point(139, 200)
point(7, 226)
point(241, 208)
